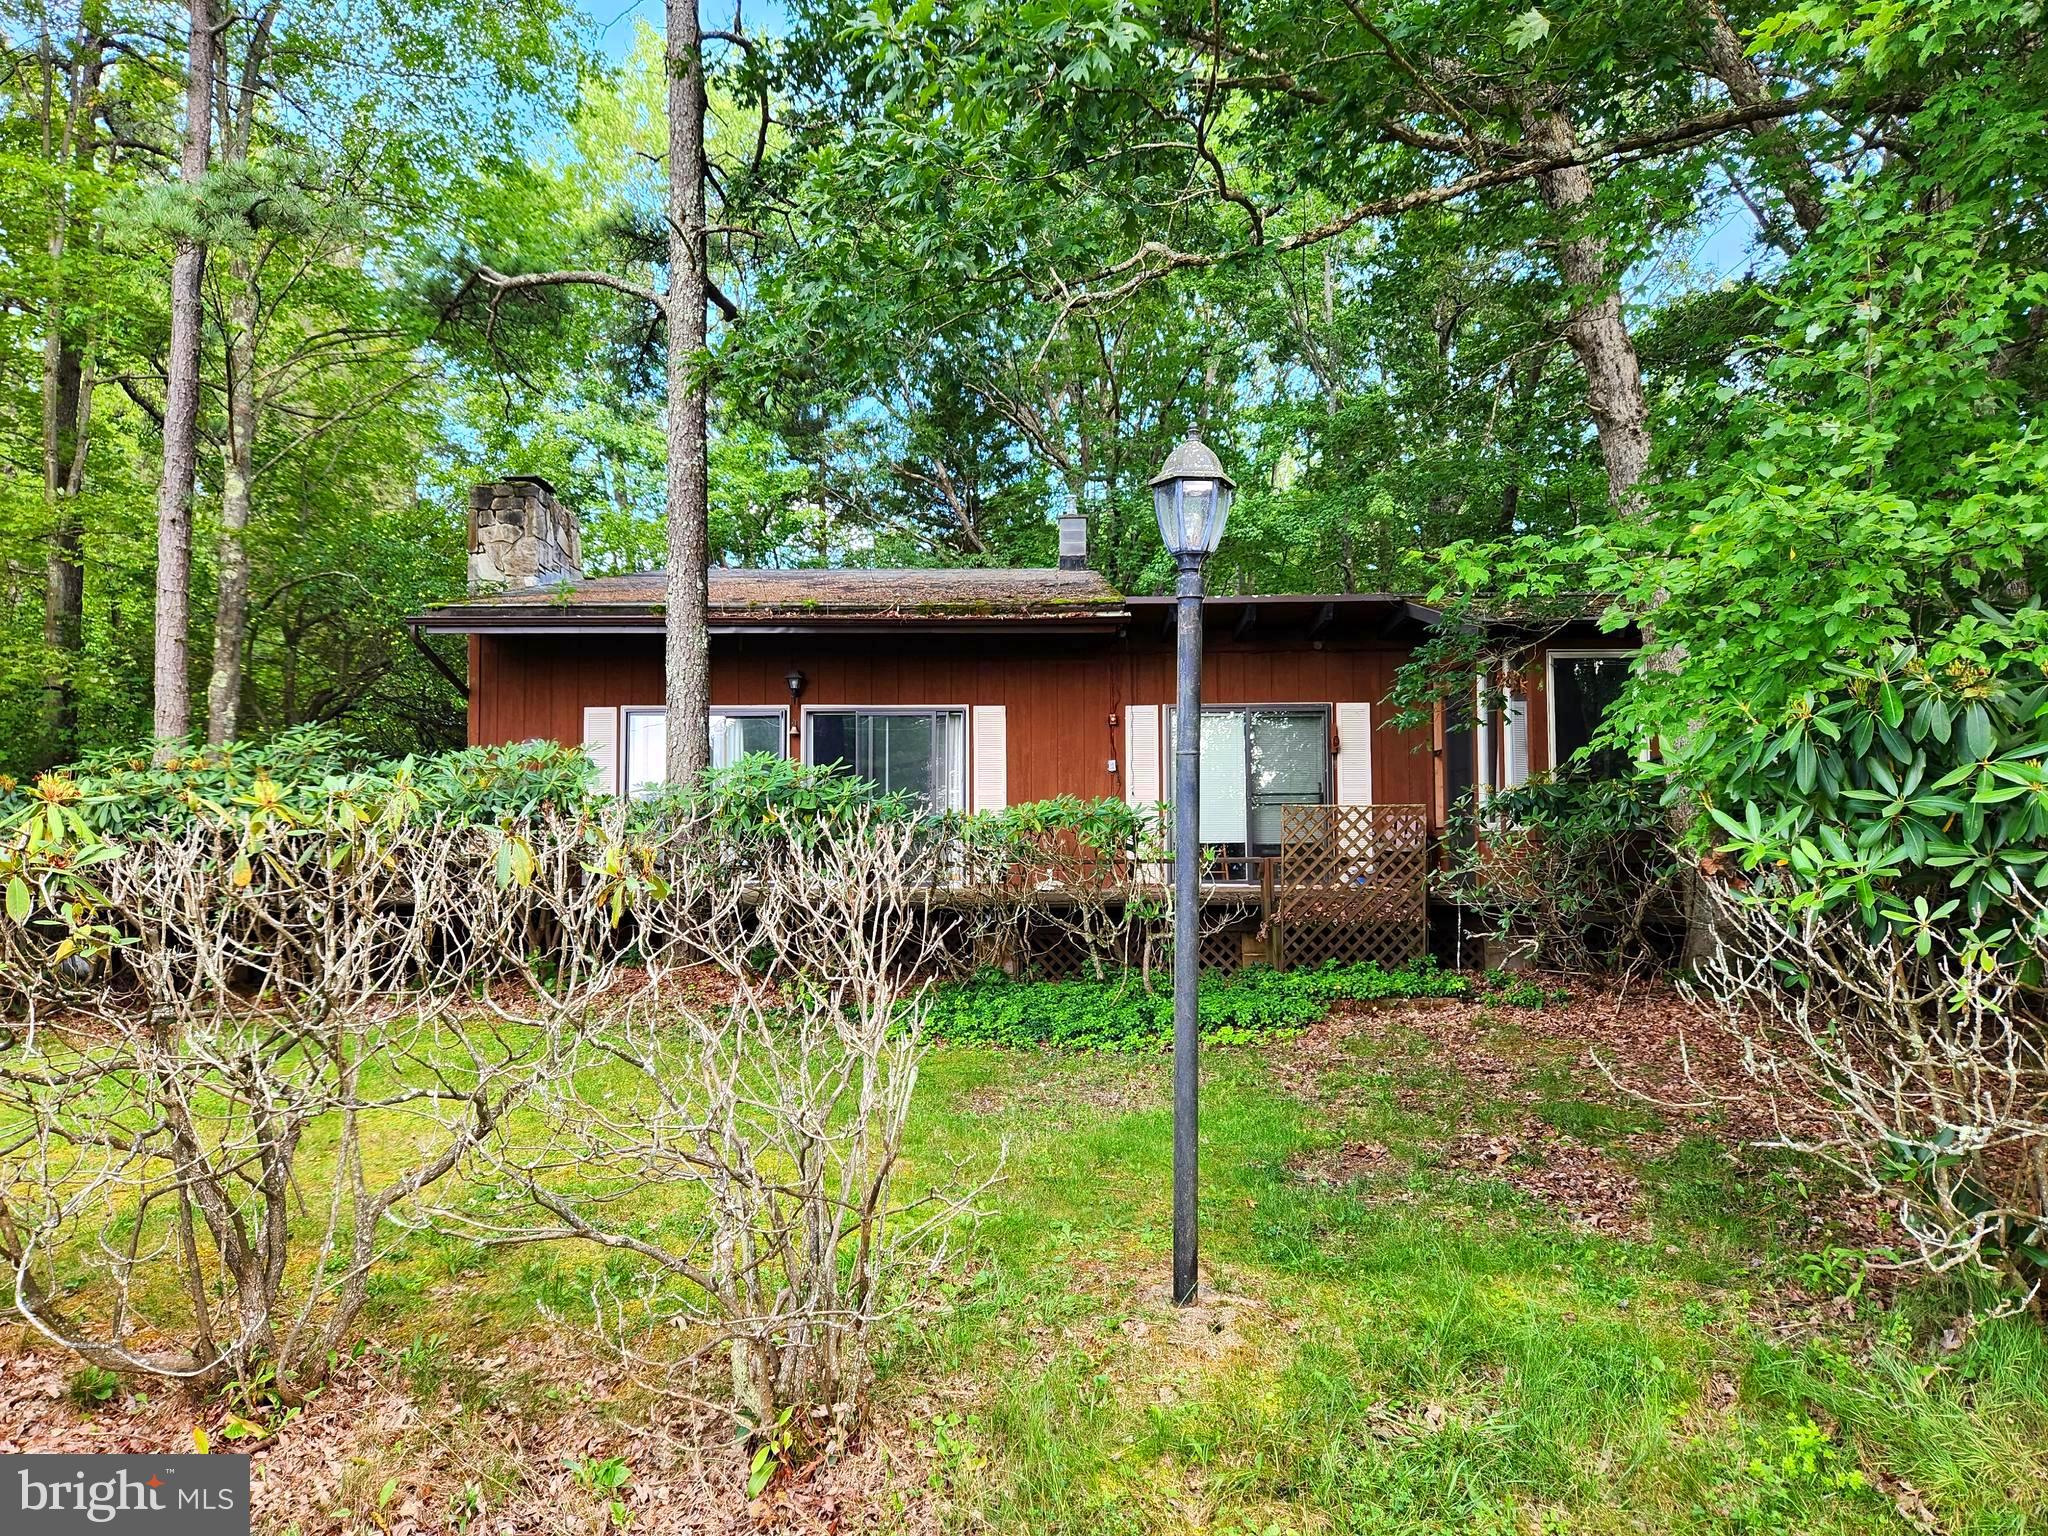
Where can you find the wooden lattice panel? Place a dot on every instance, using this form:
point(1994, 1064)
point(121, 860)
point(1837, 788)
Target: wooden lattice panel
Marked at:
point(1057, 952)
point(1389, 945)
point(1352, 883)
point(1222, 953)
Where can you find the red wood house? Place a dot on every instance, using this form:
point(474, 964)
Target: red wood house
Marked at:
point(976, 689)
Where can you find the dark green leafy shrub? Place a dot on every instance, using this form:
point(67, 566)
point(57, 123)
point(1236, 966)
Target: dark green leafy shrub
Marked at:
point(1910, 785)
point(309, 774)
point(1119, 1014)
point(1067, 827)
point(1583, 867)
point(312, 775)
point(763, 796)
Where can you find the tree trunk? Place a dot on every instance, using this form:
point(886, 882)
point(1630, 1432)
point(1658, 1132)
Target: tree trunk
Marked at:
point(231, 613)
point(237, 492)
point(687, 658)
point(1596, 331)
point(1776, 150)
point(1614, 395)
point(67, 392)
point(173, 712)
point(67, 424)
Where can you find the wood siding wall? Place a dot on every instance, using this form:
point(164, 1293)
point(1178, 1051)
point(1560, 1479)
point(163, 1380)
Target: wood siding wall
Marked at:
point(1060, 692)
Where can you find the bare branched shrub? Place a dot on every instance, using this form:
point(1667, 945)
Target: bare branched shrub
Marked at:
point(771, 1120)
point(1927, 1054)
point(242, 1049)
point(255, 1041)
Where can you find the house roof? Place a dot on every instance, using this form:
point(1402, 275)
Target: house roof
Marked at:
point(949, 599)
point(769, 600)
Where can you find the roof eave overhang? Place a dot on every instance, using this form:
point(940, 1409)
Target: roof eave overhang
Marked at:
point(471, 621)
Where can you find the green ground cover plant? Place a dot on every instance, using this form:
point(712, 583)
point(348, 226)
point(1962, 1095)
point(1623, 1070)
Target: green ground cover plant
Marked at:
point(1119, 1013)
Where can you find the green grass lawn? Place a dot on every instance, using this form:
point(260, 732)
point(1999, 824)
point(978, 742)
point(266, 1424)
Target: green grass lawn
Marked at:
point(1401, 1332)
point(1416, 1348)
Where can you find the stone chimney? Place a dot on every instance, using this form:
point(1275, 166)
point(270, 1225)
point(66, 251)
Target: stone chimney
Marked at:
point(520, 536)
point(1073, 541)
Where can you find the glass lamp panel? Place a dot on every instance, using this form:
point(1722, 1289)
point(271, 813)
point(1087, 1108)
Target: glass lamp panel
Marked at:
point(1197, 502)
point(1166, 506)
point(1219, 515)
point(1186, 512)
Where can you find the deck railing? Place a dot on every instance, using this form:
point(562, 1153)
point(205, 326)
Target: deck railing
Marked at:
point(1350, 882)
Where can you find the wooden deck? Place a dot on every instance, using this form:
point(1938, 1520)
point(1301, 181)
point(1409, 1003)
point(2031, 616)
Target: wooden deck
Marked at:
point(1350, 883)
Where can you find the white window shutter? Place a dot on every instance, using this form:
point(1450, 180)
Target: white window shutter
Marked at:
point(601, 742)
point(1518, 741)
point(991, 757)
point(1141, 756)
point(1354, 754)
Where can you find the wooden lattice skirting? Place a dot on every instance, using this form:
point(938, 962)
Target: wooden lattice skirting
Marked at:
point(1351, 884)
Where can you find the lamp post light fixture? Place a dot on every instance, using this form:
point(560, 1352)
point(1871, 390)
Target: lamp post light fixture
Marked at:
point(1191, 494)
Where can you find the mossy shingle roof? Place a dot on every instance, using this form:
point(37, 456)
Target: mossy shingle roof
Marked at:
point(915, 593)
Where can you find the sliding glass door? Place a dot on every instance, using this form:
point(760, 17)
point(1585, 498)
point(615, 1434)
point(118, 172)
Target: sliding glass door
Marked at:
point(1288, 756)
point(1224, 815)
point(1254, 762)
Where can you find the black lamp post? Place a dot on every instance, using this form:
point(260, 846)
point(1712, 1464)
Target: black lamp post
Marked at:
point(1191, 494)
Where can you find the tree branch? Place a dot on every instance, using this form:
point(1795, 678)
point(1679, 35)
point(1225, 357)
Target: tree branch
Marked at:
point(1481, 146)
point(501, 284)
point(1155, 259)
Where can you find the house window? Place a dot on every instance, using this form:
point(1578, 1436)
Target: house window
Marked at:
point(734, 734)
point(1584, 685)
point(1254, 761)
point(917, 752)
